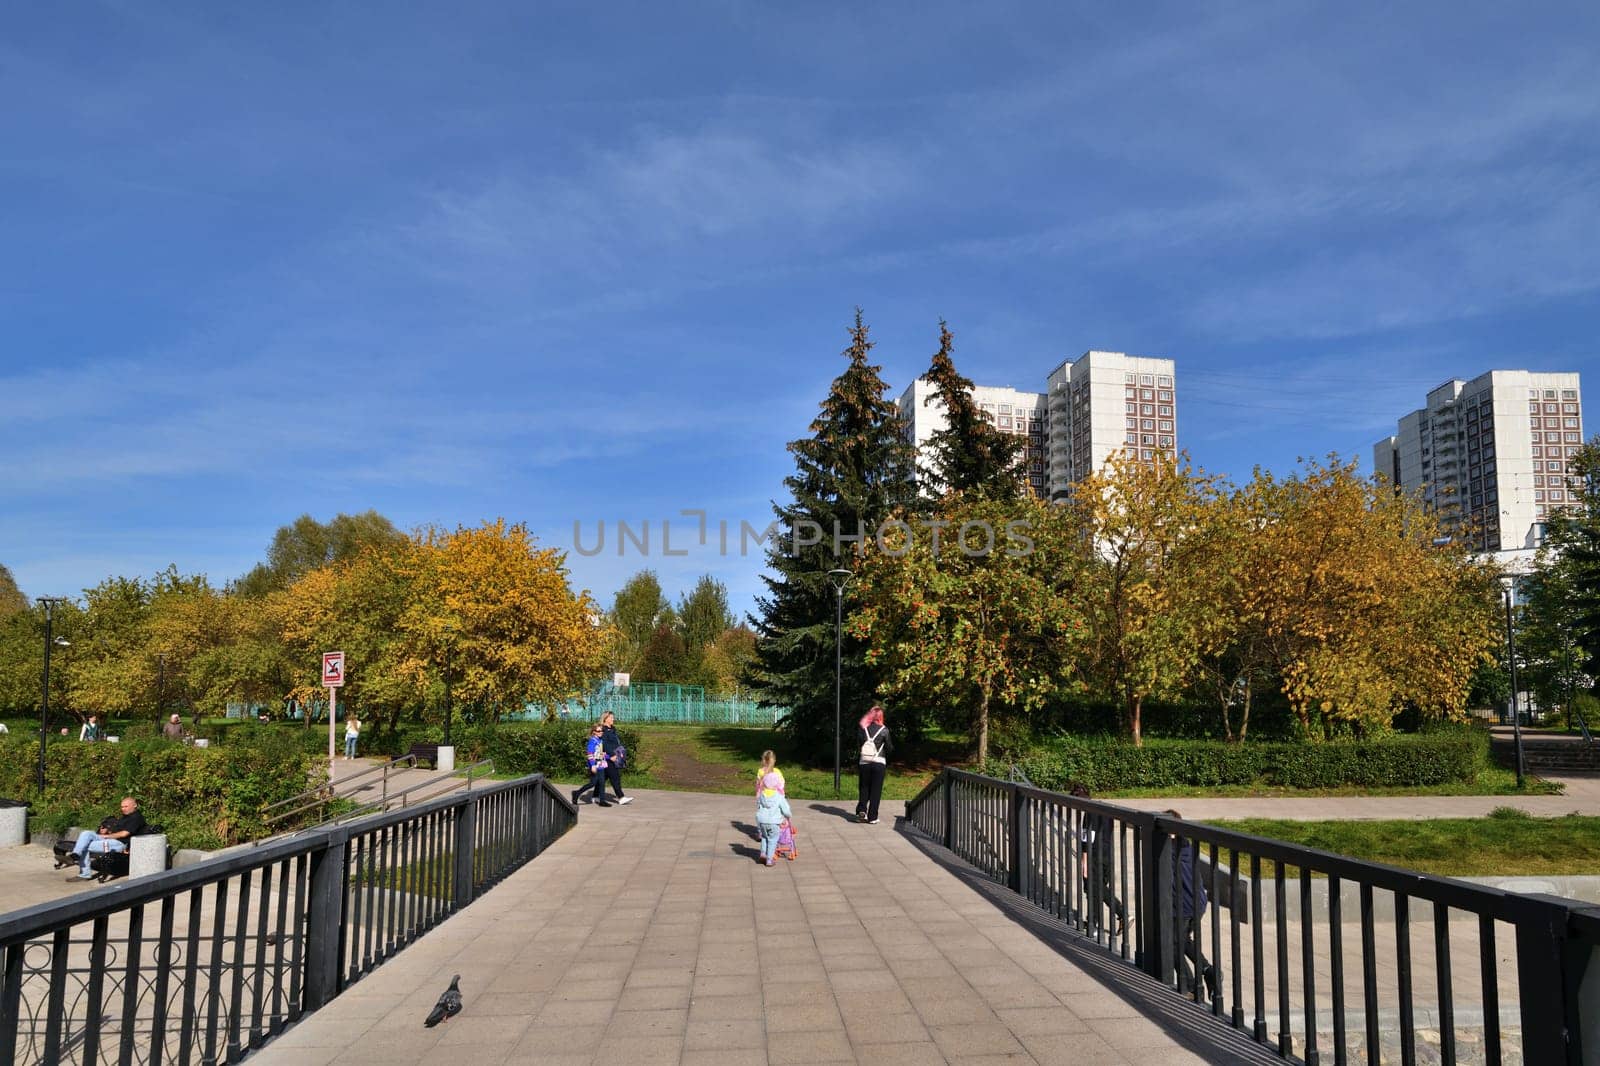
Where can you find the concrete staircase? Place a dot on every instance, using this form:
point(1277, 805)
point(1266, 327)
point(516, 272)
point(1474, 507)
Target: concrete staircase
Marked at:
point(1548, 755)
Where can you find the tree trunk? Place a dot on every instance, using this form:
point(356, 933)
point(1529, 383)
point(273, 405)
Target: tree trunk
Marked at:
point(983, 727)
point(1135, 706)
point(1244, 723)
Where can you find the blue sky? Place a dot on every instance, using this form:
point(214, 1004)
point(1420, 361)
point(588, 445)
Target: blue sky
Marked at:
point(573, 262)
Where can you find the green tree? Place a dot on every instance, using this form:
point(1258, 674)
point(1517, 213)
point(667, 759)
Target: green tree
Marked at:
point(665, 659)
point(970, 456)
point(990, 615)
point(11, 598)
point(635, 613)
point(854, 470)
point(703, 614)
point(305, 544)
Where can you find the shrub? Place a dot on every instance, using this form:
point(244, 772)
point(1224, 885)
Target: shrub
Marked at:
point(203, 797)
point(1104, 764)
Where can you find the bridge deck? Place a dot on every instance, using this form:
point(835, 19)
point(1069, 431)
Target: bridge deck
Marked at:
point(649, 934)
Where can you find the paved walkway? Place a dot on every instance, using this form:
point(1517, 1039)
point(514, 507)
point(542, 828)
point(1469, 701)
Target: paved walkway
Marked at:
point(649, 934)
point(1582, 796)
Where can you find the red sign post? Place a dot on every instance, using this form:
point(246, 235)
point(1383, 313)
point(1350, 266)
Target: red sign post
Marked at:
point(333, 681)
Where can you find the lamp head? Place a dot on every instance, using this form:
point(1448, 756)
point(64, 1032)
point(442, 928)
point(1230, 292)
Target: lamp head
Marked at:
point(839, 579)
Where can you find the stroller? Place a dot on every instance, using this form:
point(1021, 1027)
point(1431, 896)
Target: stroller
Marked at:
point(786, 845)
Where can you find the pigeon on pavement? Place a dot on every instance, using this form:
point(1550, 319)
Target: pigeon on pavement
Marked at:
point(449, 1004)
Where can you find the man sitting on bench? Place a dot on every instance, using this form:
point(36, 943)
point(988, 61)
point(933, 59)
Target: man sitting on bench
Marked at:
point(113, 835)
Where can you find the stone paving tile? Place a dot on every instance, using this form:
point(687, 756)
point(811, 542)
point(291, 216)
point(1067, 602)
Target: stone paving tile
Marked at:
point(865, 951)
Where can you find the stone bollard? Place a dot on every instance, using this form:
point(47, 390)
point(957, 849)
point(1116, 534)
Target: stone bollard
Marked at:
point(147, 855)
point(13, 825)
point(447, 758)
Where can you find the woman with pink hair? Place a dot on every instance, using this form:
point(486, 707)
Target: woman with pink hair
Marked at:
point(873, 738)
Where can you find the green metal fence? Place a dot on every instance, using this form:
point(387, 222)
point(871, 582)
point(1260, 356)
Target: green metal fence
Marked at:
point(650, 702)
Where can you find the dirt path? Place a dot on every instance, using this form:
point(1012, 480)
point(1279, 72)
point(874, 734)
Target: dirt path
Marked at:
point(677, 765)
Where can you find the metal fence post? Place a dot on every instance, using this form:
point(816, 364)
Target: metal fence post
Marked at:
point(1153, 909)
point(325, 921)
point(1583, 1006)
point(465, 856)
point(949, 808)
point(1545, 990)
point(1014, 839)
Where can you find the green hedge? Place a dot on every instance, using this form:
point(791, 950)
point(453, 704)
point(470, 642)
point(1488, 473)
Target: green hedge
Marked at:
point(203, 797)
point(1104, 765)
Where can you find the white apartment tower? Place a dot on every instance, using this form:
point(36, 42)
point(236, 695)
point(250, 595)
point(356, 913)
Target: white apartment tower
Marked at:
point(1009, 410)
point(1490, 455)
point(1104, 402)
point(1100, 403)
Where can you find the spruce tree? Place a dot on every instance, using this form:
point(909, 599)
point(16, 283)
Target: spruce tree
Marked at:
point(970, 456)
point(851, 473)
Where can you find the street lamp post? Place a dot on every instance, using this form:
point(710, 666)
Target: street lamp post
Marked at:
point(1510, 585)
point(49, 605)
point(838, 579)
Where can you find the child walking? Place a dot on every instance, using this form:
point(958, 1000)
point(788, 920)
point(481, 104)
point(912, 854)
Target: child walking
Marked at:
point(772, 810)
point(769, 768)
point(594, 751)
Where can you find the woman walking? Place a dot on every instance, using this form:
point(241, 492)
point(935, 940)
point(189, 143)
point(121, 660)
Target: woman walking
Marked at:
point(352, 732)
point(873, 737)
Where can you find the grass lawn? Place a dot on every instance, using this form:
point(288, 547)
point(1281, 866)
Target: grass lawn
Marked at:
point(724, 759)
point(1507, 843)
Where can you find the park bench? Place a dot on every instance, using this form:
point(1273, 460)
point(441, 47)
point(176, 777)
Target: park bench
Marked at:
point(105, 864)
point(426, 752)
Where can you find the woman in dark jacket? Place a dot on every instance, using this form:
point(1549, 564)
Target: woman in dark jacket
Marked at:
point(872, 737)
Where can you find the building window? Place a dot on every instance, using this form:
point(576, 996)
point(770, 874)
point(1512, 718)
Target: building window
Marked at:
point(1558, 496)
point(1147, 394)
point(1132, 379)
point(1164, 380)
point(1569, 423)
point(1569, 394)
point(1146, 379)
point(1549, 394)
point(1148, 455)
point(1538, 452)
point(1572, 436)
point(1133, 423)
point(1132, 438)
point(1165, 412)
point(1538, 481)
point(1538, 494)
point(1571, 452)
point(1166, 427)
point(1133, 408)
point(1147, 408)
point(1549, 408)
point(1166, 442)
point(1147, 439)
point(1569, 408)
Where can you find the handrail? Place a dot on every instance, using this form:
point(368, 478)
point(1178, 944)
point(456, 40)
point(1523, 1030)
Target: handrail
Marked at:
point(1583, 727)
point(1315, 904)
point(295, 923)
point(380, 805)
point(319, 795)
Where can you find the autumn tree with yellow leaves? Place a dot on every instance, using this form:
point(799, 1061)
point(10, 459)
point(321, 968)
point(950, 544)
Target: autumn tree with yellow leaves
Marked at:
point(1150, 615)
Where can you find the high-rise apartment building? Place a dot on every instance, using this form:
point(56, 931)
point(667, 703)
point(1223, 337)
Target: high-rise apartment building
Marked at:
point(1490, 456)
point(1098, 404)
point(1008, 410)
point(1104, 402)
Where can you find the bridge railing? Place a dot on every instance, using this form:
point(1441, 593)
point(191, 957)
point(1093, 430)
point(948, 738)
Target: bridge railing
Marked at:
point(208, 962)
point(1318, 956)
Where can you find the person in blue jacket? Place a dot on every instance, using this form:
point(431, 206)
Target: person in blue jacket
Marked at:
point(595, 756)
point(771, 812)
point(1193, 899)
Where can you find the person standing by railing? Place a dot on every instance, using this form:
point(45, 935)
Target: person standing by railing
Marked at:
point(1096, 837)
point(873, 738)
point(1192, 902)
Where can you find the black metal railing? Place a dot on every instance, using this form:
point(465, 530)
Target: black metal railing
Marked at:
point(1320, 957)
point(208, 962)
